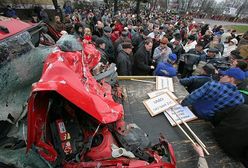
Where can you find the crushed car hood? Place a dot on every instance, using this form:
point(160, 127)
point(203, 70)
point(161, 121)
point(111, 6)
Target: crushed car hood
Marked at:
point(66, 74)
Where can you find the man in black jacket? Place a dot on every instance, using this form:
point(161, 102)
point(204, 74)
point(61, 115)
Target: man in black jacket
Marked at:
point(142, 59)
point(120, 40)
point(189, 60)
point(137, 39)
point(176, 46)
point(109, 49)
point(231, 132)
point(98, 31)
point(123, 62)
point(100, 45)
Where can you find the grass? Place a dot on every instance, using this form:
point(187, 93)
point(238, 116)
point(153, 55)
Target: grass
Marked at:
point(238, 28)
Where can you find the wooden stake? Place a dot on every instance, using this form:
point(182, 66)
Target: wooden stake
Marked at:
point(192, 132)
point(135, 77)
point(185, 133)
point(144, 81)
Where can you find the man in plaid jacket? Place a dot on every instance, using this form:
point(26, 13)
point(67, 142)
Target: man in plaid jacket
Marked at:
point(214, 96)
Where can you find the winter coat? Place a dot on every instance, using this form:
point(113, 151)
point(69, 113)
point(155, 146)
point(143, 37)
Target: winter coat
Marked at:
point(194, 82)
point(231, 132)
point(142, 62)
point(124, 64)
point(165, 69)
point(109, 49)
point(159, 57)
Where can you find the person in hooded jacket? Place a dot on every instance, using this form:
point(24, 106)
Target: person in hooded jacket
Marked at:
point(166, 68)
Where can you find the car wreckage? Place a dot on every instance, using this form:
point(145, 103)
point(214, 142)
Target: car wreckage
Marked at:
point(74, 116)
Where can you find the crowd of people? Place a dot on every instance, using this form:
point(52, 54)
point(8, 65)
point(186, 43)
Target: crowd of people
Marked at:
point(210, 62)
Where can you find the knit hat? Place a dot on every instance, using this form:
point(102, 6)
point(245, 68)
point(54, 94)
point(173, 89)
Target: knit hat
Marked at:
point(172, 57)
point(124, 33)
point(236, 73)
point(127, 45)
point(99, 41)
point(107, 29)
point(214, 50)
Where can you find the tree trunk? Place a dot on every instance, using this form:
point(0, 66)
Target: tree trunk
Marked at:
point(241, 8)
point(189, 5)
point(151, 6)
point(58, 9)
point(55, 4)
point(137, 10)
point(107, 3)
point(155, 4)
point(166, 5)
point(115, 6)
point(203, 4)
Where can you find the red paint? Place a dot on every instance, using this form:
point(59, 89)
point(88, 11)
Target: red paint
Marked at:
point(13, 25)
point(103, 151)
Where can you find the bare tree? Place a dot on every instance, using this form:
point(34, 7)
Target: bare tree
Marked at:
point(203, 4)
point(189, 5)
point(241, 8)
point(115, 6)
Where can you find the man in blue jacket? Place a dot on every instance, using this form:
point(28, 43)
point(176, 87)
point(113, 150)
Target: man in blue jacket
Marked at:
point(214, 96)
point(166, 68)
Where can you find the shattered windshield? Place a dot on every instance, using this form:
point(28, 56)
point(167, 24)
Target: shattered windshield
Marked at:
point(15, 46)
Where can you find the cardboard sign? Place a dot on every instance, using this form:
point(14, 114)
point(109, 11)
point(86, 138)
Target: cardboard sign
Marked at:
point(183, 112)
point(164, 83)
point(159, 104)
point(161, 91)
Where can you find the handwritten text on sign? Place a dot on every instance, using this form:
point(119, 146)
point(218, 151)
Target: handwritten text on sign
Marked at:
point(183, 112)
point(159, 104)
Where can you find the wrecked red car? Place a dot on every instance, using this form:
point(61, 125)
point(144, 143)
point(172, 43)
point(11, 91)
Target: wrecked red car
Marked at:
point(73, 120)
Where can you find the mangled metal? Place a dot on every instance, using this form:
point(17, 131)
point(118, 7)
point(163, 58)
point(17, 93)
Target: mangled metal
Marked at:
point(74, 121)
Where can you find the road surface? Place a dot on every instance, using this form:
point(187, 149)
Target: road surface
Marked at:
point(217, 22)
